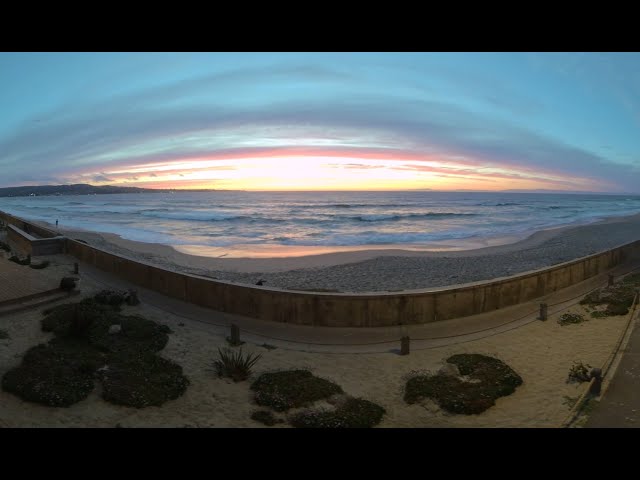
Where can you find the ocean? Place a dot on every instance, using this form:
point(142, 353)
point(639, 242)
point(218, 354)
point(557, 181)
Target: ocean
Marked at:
point(320, 221)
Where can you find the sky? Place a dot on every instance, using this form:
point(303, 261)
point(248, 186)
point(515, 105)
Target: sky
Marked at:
point(322, 121)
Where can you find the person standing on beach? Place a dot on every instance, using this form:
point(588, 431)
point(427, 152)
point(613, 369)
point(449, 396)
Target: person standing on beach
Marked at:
point(56, 222)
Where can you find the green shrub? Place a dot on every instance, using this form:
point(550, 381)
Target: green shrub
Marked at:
point(633, 278)
point(137, 335)
point(56, 375)
point(62, 372)
point(59, 319)
point(569, 318)
point(618, 297)
point(492, 379)
point(265, 417)
point(291, 389)
point(110, 297)
point(614, 309)
point(579, 373)
point(234, 364)
point(142, 381)
point(354, 413)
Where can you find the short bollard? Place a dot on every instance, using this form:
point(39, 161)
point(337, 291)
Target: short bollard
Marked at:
point(610, 282)
point(596, 386)
point(543, 312)
point(235, 335)
point(132, 297)
point(404, 345)
point(75, 268)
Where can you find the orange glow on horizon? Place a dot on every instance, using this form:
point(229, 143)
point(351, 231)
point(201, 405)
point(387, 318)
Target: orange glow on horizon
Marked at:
point(335, 170)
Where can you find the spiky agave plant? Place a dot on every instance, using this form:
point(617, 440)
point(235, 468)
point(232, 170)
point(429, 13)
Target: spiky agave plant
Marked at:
point(235, 364)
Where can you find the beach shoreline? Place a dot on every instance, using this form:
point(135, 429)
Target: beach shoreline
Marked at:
point(390, 269)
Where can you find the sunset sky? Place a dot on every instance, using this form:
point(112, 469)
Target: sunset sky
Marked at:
point(322, 121)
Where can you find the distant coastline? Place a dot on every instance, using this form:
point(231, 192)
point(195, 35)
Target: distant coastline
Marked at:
point(87, 189)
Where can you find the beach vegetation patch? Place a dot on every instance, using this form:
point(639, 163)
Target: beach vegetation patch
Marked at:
point(265, 417)
point(352, 413)
point(59, 319)
point(615, 309)
point(618, 298)
point(142, 380)
point(57, 375)
point(291, 389)
point(94, 341)
point(3, 334)
point(235, 364)
point(569, 318)
point(633, 278)
point(110, 297)
point(579, 372)
point(487, 379)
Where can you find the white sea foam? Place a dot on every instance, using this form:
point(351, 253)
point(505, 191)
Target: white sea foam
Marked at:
point(318, 219)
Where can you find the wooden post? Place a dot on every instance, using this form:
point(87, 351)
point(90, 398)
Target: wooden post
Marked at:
point(404, 345)
point(75, 268)
point(543, 312)
point(610, 280)
point(235, 335)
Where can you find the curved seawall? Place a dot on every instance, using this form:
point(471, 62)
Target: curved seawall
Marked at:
point(349, 309)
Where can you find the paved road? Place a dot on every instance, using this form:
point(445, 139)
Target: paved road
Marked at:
point(619, 407)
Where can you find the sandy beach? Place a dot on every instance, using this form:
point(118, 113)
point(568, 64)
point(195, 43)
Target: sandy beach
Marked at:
point(541, 352)
point(367, 270)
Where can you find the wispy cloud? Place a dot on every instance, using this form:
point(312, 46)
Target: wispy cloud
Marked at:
point(247, 112)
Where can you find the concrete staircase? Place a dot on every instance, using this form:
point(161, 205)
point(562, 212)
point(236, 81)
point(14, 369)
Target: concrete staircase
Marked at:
point(33, 301)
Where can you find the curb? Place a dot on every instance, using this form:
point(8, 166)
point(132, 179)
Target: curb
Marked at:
point(606, 367)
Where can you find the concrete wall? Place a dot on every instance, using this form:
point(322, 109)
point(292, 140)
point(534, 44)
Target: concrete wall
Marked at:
point(18, 239)
point(31, 227)
point(34, 246)
point(354, 310)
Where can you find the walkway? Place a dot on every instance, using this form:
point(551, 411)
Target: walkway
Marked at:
point(361, 340)
point(18, 281)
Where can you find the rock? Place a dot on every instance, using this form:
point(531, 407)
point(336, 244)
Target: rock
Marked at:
point(115, 329)
point(68, 283)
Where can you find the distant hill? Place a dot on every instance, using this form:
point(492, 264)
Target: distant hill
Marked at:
point(77, 189)
point(574, 192)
